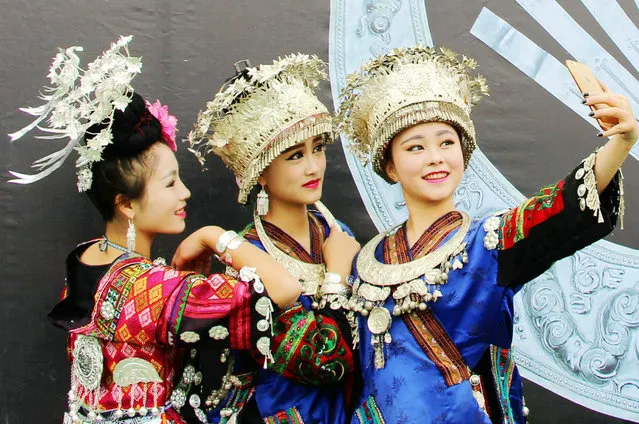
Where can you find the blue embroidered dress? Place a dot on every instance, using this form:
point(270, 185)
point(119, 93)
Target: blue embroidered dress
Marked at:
point(310, 377)
point(448, 361)
point(313, 361)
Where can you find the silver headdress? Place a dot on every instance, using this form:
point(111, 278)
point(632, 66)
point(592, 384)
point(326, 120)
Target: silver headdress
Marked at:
point(250, 123)
point(76, 100)
point(405, 87)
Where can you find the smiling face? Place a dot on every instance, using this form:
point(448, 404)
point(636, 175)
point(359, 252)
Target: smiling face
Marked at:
point(427, 160)
point(161, 208)
point(296, 176)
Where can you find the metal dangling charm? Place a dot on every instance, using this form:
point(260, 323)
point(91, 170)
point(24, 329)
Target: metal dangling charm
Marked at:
point(130, 237)
point(262, 202)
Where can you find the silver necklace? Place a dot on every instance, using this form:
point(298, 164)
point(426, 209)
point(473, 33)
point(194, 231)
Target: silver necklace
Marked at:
point(309, 275)
point(412, 281)
point(105, 242)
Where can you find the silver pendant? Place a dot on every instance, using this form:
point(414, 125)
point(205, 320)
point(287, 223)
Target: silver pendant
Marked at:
point(133, 371)
point(88, 361)
point(379, 320)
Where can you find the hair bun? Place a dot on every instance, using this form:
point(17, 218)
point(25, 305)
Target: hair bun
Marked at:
point(133, 130)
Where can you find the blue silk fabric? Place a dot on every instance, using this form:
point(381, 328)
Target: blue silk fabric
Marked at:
point(315, 404)
point(476, 310)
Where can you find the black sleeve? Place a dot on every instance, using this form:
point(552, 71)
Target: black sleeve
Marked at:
point(555, 223)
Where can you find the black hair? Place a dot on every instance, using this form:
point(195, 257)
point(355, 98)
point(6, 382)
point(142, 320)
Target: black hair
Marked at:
point(125, 163)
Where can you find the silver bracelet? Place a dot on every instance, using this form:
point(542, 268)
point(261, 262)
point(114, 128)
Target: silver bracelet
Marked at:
point(335, 288)
point(332, 278)
point(224, 240)
point(235, 243)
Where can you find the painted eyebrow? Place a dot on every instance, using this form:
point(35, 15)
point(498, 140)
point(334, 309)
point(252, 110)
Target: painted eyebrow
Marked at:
point(170, 174)
point(420, 136)
point(297, 146)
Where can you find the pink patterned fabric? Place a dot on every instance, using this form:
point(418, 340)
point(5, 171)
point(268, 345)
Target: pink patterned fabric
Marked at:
point(154, 306)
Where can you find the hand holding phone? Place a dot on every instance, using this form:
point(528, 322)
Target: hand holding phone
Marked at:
point(587, 82)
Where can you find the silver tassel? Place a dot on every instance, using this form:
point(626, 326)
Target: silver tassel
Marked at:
point(262, 202)
point(130, 237)
point(622, 200)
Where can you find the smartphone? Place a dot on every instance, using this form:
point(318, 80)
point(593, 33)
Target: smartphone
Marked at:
point(587, 82)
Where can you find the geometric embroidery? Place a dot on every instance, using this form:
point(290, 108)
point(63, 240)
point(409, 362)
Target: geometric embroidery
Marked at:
point(288, 416)
point(216, 281)
point(369, 413)
point(139, 287)
point(156, 309)
point(155, 293)
point(123, 333)
point(142, 339)
point(145, 317)
point(517, 223)
point(129, 310)
point(150, 304)
point(141, 301)
point(225, 292)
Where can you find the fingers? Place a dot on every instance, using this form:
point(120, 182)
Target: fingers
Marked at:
point(175, 258)
point(335, 227)
point(617, 129)
point(604, 87)
point(609, 99)
point(620, 120)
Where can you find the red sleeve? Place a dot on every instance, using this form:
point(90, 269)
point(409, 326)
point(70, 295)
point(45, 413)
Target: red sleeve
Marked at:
point(310, 347)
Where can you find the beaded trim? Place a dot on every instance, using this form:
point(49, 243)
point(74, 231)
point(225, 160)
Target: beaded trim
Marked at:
point(369, 413)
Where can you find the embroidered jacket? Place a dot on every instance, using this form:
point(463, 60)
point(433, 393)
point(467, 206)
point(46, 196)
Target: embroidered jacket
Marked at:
point(449, 362)
point(128, 329)
point(311, 373)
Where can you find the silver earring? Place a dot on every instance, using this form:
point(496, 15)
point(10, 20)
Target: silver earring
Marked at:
point(130, 237)
point(262, 202)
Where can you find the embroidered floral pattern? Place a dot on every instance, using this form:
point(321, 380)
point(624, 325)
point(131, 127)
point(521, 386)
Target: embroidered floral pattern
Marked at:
point(517, 223)
point(310, 347)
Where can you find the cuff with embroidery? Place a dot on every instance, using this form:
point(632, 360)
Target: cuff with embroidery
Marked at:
point(608, 206)
point(309, 347)
point(553, 224)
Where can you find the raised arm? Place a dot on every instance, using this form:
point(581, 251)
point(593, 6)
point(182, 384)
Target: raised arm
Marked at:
point(624, 135)
point(282, 287)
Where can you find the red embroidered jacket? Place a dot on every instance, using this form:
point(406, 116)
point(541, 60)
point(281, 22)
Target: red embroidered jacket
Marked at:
point(125, 349)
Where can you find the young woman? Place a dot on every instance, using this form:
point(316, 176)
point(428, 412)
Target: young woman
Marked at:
point(270, 129)
point(127, 315)
point(434, 295)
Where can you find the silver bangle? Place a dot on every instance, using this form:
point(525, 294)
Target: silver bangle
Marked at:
point(332, 278)
point(224, 240)
point(335, 288)
point(235, 243)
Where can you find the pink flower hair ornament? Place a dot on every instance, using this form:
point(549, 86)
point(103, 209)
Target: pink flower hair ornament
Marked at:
point(168, 121)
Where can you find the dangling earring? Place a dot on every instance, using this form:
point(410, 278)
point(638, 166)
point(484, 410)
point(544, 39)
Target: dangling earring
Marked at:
point(262, 202)
point(130, 237)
